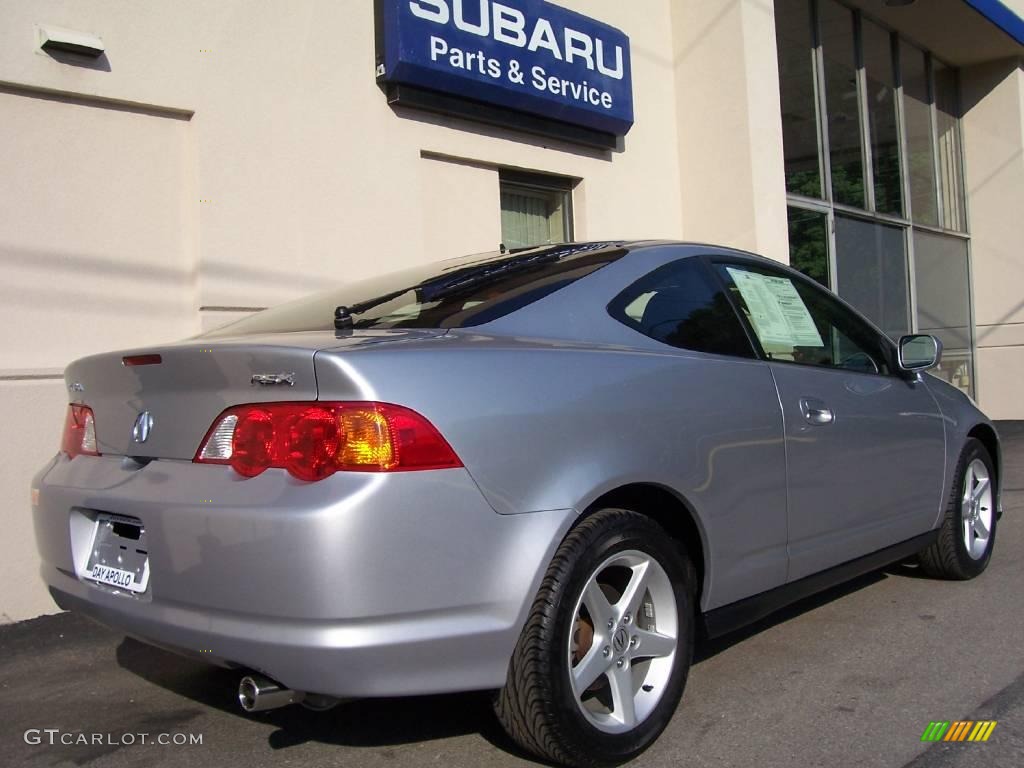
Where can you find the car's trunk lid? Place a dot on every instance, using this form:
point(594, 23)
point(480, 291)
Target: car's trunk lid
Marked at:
point(195, 381)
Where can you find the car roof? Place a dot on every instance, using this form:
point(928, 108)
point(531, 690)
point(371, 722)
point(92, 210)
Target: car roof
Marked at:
point(690, 248)
point(578, 246)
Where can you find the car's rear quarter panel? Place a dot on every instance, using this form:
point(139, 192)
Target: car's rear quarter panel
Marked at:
point(546, 425)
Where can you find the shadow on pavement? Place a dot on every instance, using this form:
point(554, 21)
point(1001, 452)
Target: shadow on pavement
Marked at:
point(365, 723)
point(393, 722)
point(709, 647)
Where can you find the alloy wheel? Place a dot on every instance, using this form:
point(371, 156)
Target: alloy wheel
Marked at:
point(623, 641)
point(976, 509)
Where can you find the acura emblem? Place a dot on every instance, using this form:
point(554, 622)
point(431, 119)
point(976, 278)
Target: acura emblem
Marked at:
point(143, 424)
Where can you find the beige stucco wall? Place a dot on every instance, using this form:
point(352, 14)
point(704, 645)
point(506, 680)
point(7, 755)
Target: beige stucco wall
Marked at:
point(730, 133)
point(93, 230)
point(33, 410)
point(994, 158)
point(297, 151)
point(95, 254)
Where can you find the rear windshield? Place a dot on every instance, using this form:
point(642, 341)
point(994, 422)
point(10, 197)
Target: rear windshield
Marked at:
point(451, 294)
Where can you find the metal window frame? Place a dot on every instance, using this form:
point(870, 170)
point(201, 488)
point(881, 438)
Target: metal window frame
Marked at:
point(959, 142)
point(966, 235)
point(861, 76)
point(904, 163)
point(867, 178)
point(933, 111)
point(820, 104)
point(817, 91)
point(943, 228)
point(826, 204)
point(865, 107)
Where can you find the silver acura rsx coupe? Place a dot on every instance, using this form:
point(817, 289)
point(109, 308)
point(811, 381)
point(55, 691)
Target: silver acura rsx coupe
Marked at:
point(540, 472)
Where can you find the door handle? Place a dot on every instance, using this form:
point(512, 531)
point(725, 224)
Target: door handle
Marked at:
point(816, 412)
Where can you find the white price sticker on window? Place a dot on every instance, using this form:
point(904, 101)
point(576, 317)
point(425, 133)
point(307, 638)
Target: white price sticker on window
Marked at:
point(777, 312)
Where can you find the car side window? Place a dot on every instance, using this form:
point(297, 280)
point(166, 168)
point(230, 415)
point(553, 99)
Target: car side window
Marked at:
point(796, 322)
point(679, 304)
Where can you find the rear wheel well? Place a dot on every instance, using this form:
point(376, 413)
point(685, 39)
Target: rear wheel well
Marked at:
point(666, 509)
point(990, 440)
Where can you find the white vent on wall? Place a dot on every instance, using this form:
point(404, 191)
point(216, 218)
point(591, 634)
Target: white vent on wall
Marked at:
point(52, 39)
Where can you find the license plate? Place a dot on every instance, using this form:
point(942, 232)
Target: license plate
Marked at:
point(112, 576)
point(118, 556)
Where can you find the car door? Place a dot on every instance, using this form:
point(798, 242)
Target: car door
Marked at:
point(726, 453)
point(865, 444)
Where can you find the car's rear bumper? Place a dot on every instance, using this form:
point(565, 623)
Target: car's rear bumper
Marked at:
point(359, 585)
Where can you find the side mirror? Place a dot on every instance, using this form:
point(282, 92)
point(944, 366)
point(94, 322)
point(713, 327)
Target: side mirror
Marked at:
point(919, 352)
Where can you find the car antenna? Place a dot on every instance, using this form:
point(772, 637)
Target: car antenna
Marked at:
point(342, 319)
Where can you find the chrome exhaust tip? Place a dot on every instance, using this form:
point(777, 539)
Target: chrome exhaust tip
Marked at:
point(258, 694)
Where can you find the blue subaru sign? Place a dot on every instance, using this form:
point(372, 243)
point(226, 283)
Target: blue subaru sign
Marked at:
point(526, 55)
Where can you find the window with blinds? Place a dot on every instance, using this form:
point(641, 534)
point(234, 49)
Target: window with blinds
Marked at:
point(535, 212)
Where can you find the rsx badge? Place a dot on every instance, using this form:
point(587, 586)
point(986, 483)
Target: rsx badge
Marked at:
point(272, 379)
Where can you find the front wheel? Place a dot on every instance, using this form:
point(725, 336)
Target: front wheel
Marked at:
point(964, 544)
point(602, 662)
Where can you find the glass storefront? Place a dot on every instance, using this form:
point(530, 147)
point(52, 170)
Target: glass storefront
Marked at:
point(874, 174)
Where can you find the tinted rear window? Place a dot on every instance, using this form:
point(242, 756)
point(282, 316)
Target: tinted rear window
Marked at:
point(679, 304)
point(458, 293)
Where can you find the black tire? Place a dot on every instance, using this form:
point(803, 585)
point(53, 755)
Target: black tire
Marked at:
point(947, 557)
point(537, 706)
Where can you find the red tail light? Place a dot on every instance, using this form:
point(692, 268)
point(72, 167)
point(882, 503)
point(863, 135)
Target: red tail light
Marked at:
point(79, 432)
point(314, 440)
point(134, 360)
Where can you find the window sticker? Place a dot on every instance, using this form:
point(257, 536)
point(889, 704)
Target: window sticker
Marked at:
point(777, 312)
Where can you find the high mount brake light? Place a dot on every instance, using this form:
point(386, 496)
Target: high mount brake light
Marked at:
point(135, 360)
point(79, 432)
point(314, 440)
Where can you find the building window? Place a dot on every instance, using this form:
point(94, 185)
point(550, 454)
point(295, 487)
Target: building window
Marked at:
point(535, 210)
point(880, 81)
point(917, 119)
point(842, 97)
point(942, 279)
point(871, 267)
point(877, 206)
point(808, 244)
point(947, 131)
point(799, 95)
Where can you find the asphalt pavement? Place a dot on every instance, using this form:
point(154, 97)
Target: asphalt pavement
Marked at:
point(847, 678)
